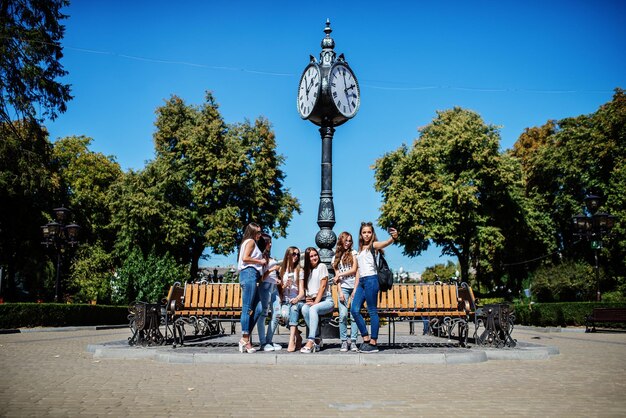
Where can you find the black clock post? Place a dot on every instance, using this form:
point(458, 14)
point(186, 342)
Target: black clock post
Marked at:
point(328, 96)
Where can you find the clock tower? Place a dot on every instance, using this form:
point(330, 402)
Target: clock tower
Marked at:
point(328, 96)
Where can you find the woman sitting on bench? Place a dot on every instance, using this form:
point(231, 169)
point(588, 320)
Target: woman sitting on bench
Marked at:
point(318, 297)
point(291, 289)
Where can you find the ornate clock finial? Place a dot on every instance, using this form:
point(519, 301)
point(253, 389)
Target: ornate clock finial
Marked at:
point(327, 56)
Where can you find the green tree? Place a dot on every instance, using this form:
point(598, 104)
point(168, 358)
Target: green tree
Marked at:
point(455, 189)
point(582, 155)
point(91, 275)
point(567, 281)
point(84, 180)
point(146, 278)
point(439, 271)
point(25, 196)
point(207, 181)
point(30, 54)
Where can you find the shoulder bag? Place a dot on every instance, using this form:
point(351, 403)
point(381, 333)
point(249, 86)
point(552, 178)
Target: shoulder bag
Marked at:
point(385, 275)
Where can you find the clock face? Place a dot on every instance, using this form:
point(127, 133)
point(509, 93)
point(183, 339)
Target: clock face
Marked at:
point(344, 90)
point(309, 90)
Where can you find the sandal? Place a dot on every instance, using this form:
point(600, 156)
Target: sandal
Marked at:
point(246, 346)
point(308, 350)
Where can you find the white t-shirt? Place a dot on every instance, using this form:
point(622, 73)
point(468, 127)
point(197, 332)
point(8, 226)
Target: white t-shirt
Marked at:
point(366, 263)
point(272, 277)
point(256, 253)
point(347, 282)
point(290, 285)
point(313, 284)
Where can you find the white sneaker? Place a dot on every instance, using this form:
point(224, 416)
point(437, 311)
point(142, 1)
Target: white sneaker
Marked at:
point(268, 347)
point(277, 347)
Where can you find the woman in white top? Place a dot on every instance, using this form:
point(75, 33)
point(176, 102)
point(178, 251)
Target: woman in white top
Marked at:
point(291, 289)
point(268, 299)
point(367, 288)
point(250, 266)
point(345, 266)
point(318, 298)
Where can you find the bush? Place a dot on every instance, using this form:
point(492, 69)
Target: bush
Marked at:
point(17, 315)
point(558, 314)
point(568, 281)
point(146, 279)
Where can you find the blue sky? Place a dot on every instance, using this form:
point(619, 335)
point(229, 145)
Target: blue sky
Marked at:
point(517, 64)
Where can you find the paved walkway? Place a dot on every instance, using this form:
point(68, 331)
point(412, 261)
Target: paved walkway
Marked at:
point(52, 374)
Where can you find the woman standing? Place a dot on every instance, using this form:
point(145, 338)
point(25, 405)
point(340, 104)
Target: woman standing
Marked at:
point(268, 299)
point(367, 288)
point(318, 298)
point(250, 266)
point(291, 288)
point(345, 264)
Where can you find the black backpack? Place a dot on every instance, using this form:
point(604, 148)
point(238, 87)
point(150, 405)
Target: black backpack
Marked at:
point(385, 275)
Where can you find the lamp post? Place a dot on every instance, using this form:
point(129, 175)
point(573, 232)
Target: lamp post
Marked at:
point(58, 235)
point(328, 96)
point(593, 226)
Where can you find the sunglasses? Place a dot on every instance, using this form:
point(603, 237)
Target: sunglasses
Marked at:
point(295, 255)
point(366, 224)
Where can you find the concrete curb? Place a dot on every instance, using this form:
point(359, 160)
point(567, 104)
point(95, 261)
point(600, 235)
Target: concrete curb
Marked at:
point(474, 355)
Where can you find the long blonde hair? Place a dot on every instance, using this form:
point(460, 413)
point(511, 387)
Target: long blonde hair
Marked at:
point(341, 254)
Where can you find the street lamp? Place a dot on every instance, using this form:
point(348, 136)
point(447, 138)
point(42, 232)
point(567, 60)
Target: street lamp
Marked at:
point(328, 96)
point(59, 235)
point(593, 226)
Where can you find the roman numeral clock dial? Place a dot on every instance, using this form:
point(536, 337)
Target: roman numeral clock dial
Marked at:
point(344, 90)
point(309, 90)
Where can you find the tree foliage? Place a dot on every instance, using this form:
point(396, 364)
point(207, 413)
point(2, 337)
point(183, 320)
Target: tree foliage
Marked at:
point(439, 271)
point(455, 189)
point(207, 181)
point(84, 179)
point(579, 156)
point(30, 54)
point(25, 197)
point(146, 278)
point(567, 281)
point(91, 275)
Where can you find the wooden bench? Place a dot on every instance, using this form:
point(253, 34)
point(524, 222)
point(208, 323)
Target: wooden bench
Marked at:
point(444, 306)
point(605, 315)
point(205, 306)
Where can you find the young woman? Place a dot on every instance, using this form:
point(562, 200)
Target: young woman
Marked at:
point(367, 288)
point(345, 265)
point(268, 299)
point(318, 297)
point(291, 288)
point(250, 266)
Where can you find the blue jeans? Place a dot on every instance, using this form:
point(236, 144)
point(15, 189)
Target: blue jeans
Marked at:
point(294, 314)
point(249, 299)
point(343, 318)
point(269, 299)
point(312, 314)
point(366, 291)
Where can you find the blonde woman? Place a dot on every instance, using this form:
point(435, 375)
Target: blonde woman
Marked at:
point(367, 288)
point(250, 266)
point(268, 299)
point(345, 265)
point(291, 289)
